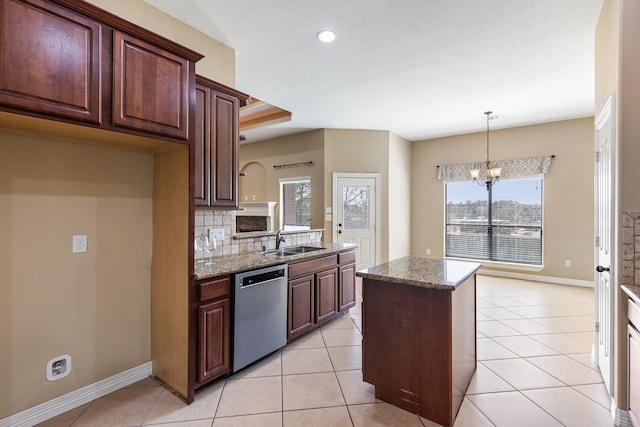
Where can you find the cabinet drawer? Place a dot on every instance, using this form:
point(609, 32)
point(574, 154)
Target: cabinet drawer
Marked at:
point(347, 258)
point(214, 289)
point(634, 314)
point(312, 266)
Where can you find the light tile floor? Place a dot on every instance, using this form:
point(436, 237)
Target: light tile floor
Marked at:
point(534, 369)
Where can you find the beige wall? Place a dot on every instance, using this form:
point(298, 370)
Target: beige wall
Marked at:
point(568, 189)
point(399, 197)
point(338, 150)
point(302, 147)
point(93, 306)
point(358, 151)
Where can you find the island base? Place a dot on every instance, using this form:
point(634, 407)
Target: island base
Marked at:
point(419, 346)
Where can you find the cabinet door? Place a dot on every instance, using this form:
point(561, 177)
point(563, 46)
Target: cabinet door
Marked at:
point(224, 150)
point(213, 352)
point(201, 145)
point(634, 375)
point(150, 88)
point(300, 316)
point(326, 295)
point(50, 60)
point(347, 288)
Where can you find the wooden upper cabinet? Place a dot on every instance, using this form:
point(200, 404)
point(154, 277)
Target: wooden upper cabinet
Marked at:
point(70, 61)
point(224, 149)
point(216, 144)
point(201, 144)
point(50, 60)
point(150, 87)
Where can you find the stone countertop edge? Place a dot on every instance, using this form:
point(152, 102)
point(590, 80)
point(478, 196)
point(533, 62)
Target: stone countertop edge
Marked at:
point(255, 234)
point(422, 272)
point(231, 264)
point(633, 291)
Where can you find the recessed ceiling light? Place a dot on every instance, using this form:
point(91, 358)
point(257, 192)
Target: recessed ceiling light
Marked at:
point(326, 36)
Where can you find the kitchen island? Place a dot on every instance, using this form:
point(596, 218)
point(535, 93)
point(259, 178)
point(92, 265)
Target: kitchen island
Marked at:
point(419, 334)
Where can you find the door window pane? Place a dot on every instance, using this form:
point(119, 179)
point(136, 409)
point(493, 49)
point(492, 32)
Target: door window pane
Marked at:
point(355, 207)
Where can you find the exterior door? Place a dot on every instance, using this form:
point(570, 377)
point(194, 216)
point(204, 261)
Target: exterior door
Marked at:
point(604, 257)
point(356, 215)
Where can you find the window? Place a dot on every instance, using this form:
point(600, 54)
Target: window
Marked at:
point(501, 224)
point(295, 203)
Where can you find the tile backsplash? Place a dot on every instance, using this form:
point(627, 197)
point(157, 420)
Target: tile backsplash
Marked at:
point(226, 220)
point(631, 248)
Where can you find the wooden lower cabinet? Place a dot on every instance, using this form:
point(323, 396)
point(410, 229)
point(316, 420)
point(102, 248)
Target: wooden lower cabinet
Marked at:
point(326, 295)
point(319, 289)
point(301, 296)
point(214, 360)
point(214, 329)
point(347, 288)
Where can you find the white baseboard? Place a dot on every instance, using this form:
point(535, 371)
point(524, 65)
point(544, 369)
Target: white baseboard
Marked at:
point(64, 403)
point(536, 278)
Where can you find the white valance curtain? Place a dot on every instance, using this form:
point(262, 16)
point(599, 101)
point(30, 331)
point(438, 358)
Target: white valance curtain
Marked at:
point(516, 168)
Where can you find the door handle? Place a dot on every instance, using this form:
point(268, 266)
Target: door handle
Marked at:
point(601, 269)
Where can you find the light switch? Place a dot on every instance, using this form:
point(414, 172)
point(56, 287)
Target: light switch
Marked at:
point(327, 217)
point(327, 209)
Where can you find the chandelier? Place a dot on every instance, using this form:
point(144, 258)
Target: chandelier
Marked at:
point(487, 176)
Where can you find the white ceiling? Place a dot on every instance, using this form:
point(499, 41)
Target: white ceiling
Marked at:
point(418, 68)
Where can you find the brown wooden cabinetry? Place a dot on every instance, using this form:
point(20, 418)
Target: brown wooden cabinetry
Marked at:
point(346, 280)
point(319, 289)
point(214, 329)
point(70, 61)
point(150, 87)
point(50, 59)
point(216, 144)
point(300, 302)
point(326, 295)
point(419, 345)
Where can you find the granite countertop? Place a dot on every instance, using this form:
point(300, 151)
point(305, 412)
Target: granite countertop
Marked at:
point(230, 264)
point(633, 291)
point(423, 272)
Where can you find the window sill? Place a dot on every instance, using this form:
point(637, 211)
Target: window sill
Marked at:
point(503, 265)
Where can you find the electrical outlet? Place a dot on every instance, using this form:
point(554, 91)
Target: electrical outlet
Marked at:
point(58, 367)
point(567, 263)
point(79, 244)
point(428, 251)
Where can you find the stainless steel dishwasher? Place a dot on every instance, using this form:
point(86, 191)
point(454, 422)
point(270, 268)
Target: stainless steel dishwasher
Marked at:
point(260, 314)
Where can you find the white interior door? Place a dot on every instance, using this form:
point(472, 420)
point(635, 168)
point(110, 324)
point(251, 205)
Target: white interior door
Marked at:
point(604, 253)
point(356, 215)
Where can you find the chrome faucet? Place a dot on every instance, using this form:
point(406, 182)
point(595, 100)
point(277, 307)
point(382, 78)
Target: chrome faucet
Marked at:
point(279, 239)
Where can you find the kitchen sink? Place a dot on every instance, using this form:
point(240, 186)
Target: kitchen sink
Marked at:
point(303, 249)
point(295, 250)
point(279, 252)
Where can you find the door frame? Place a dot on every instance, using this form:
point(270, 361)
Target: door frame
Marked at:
point(377, 177)
point(607, 113)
